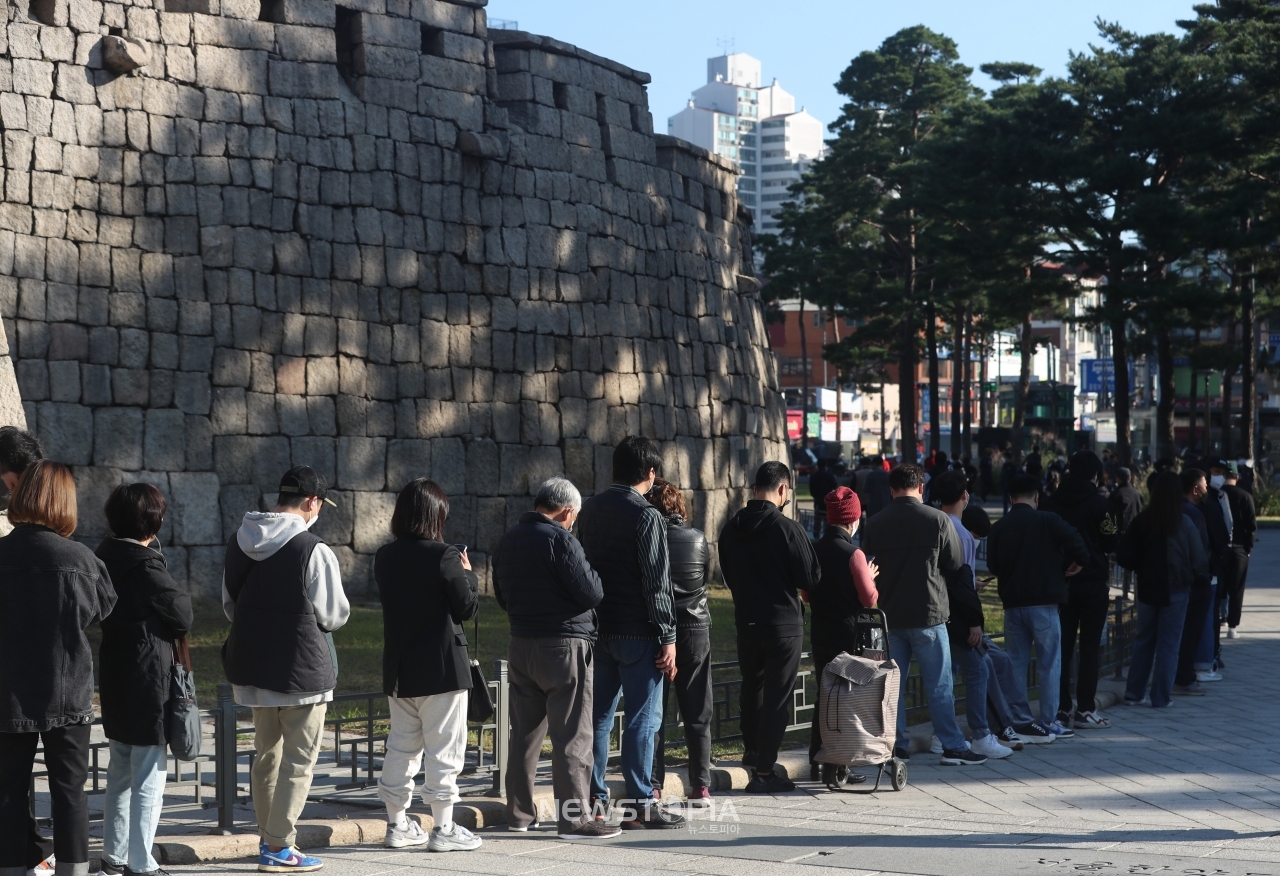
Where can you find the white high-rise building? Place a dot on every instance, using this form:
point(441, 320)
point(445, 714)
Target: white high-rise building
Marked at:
point(756, 126)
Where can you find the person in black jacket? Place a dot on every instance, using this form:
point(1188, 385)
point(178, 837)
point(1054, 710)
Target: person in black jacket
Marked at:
point(427, 590)
point(767, 561)
point(1079, 502)
point(51, 590)
point(690, 572)
point(152, 612)
point(1033, 553)
point(1244, 532)
point(821, 482)
point(1126, 505)
point(542, 580)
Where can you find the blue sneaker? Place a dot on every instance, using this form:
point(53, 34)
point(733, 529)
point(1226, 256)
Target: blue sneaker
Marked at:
point(286, 861)
point(1058, 730)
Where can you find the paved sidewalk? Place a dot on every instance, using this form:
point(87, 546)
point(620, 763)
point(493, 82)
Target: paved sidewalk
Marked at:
point(1194, 789)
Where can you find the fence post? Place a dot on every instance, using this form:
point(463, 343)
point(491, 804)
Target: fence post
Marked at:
point(501, 730)
point(224, 761)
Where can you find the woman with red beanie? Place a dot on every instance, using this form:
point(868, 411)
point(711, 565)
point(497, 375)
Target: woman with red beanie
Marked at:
point(847, 585)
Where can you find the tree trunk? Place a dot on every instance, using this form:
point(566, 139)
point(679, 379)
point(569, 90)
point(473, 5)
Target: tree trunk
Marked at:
point(984, 400)
point(908, 358)
point(1193, 413)
point(804, 366)
point(1164, 406)
point(1122, 390)
point(831, 316)
point(966, 387)
point(1248, 379)
point(935, 407)
point(1206, 442)
point(1026, 354)
point(1227, 380)
point(957, 382)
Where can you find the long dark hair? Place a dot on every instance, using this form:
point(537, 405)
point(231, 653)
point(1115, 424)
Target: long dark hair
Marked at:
point(1164, 510)
point(421, 511)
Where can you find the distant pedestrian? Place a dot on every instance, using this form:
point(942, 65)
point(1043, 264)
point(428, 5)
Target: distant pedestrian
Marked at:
point(428, 590)
point(542, 580)
point(916, 547)
point(1244, 533)
point(1125, 500)
point(276, 569)
point(1033, 553)
point(821, 482)
point(152, 612)
point(1206, 514)
point(767, 560)
point(51, 590)
point(1163, 547)
point(846, 586)
point(625, 541)
point(1083, 615)
point(874, 495)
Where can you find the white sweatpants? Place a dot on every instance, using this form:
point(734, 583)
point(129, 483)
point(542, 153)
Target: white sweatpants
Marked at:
point(434, 726)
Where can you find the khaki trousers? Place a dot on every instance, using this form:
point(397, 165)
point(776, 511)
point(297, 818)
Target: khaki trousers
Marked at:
point(288, 741)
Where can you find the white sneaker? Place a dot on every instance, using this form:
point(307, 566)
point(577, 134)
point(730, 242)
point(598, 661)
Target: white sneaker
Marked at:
point(411, 834)
point(458, 839)
point(44, 868)
point(1208, 676)
point(935, 745)
point(1233, 633)
point(989, 747)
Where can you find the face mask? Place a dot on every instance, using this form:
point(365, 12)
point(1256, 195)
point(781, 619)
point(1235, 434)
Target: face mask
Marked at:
point(1217, 481)
point(312, 521)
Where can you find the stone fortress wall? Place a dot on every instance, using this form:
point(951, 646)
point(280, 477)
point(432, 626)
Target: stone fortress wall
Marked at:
point(372, 237)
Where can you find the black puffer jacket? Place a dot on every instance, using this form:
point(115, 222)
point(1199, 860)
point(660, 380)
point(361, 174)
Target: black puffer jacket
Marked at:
point(1079, 503)
point(542, 580)
point(51, 590)
point(690, 572)
point(137, 642)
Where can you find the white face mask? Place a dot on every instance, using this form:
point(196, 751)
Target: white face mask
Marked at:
point(312, 521)
point(1216, 481)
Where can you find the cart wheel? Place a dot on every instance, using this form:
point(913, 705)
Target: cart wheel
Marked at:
point(834, 777)
point(898, 775)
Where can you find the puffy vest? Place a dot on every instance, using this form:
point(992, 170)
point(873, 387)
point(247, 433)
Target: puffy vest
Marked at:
point(607, 530)
point(275, 643)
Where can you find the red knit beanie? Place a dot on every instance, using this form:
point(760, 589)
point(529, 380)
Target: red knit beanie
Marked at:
point(843, 506)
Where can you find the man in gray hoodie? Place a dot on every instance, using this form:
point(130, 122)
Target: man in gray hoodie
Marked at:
point(282, 592)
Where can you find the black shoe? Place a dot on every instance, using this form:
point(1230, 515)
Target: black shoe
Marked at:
point(962, 758)
point(770, 784)
point(901, 753)
point(1064, 718)
point(1010, 739)
point(1034, 734)
point(654, 817)
point(591, 830)
point(815, 772)
point(749, 758)
point(109, 869)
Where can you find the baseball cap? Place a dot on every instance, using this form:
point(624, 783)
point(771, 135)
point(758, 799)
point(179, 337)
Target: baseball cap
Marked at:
point(1216, 462)
point(305, 481)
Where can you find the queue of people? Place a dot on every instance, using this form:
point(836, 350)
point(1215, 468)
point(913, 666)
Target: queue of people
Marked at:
point(618, 610)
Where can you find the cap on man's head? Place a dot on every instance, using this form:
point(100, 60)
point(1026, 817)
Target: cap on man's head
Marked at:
point(1233, 470)
point(1217, 462)
point(303, 480)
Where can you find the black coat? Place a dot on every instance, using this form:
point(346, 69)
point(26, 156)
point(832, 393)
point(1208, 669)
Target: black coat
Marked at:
point(1126, 504)
point(915, 547)
point(1079, 503)
point(966, 606)
point(543, 582)
point(1244, 516)
point(51, 590)
point(426, 596)
point(690, 572)
point(1029, 551)
point(152, 611)
point(834, 600)
point(767, 559)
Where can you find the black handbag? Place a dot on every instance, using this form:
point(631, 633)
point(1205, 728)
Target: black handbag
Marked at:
point(479, 703)
point(182, 715)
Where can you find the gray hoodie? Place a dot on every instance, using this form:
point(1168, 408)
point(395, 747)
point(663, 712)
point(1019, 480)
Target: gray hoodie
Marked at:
point(260, 535)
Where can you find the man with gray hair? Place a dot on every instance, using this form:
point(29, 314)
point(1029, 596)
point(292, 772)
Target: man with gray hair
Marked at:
point(543, 581)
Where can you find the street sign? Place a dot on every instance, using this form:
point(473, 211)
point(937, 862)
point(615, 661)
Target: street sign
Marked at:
point(1099, 375)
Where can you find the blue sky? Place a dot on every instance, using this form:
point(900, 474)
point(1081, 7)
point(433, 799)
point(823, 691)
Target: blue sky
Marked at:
point(807, 44)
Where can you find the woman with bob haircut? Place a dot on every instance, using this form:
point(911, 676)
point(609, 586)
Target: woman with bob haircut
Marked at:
point(51, 590)
point(138, 639)
point(427, 590)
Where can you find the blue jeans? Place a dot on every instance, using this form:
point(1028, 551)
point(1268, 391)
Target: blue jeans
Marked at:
point(1008, 700)
point(972, 667)
point(932, 650)
point(625, 667)
point(135, 793)
point(1155, 651)
point(1036, 625)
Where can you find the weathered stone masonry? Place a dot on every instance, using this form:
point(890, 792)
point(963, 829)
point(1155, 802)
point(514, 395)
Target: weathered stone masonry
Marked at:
point(371, 237)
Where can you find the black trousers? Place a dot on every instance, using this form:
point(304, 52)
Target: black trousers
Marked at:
point(1237, 570)
point(66, 756)
point(1087, 619)
point(821, 657)
point(1199, 603)
point(694, 700)
point(769, 665)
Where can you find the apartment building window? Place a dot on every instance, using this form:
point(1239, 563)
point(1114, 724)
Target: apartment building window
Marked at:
point(793, 366)
point(749, 155)
point(748, 199)
point(777, 168)
point(746, 183)
point(776, 196)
